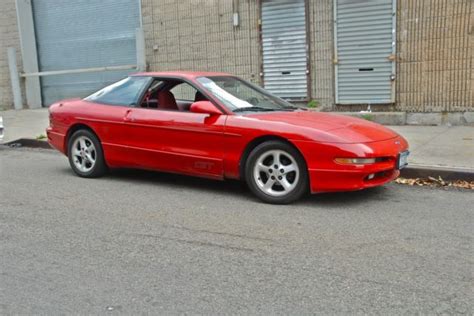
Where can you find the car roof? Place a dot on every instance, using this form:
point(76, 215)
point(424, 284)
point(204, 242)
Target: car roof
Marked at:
point(181, 74)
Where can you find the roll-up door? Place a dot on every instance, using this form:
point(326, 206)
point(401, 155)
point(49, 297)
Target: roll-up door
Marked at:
point(365, 41)
point(83, 34)
point(284, 48)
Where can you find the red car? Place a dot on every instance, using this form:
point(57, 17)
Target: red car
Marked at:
point(218, 126)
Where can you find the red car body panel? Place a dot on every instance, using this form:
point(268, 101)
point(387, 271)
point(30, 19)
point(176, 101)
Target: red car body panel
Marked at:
point(214, 146)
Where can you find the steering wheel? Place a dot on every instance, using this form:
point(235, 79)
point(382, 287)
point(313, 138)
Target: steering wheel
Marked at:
point(147, 98)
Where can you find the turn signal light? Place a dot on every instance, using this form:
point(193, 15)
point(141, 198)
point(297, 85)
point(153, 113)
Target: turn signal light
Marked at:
point(355, 161)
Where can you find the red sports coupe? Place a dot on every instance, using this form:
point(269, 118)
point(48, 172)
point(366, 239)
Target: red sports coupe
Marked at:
point(218, 126)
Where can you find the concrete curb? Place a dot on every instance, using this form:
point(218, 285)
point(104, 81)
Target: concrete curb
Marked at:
point(28, 142)
point(446, 173)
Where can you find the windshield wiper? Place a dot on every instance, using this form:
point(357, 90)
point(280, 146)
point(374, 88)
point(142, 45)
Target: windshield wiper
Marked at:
point(290, 108)
point(253, 109)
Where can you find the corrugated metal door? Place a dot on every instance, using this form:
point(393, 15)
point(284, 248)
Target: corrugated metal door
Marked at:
point(83, 34)
point(284, 48)
point(365, 42)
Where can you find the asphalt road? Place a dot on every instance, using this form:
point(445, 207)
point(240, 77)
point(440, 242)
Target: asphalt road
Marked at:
point(156, 243)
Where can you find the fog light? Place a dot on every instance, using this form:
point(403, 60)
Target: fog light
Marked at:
point(355, 161)
point(371, 176)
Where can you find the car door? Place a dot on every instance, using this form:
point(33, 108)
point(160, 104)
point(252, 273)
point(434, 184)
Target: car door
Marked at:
point(170, 138)
point(107, 121)
point(182, 142)
point(105, 113)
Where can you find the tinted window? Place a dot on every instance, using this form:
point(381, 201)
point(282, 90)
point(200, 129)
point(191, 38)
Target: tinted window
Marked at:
point(125, 92)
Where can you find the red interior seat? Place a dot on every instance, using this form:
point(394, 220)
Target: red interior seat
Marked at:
point(167, 101)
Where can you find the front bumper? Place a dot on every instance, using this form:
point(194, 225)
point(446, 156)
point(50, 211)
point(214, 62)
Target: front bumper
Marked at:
point(349, 180)
point(325, 175)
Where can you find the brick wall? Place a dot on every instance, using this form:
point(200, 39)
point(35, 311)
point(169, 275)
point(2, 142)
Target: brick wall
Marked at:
point(8, 38)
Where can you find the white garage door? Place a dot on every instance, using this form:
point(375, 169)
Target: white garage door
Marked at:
point(284, 48)
point(365, 39)
point(83, 34)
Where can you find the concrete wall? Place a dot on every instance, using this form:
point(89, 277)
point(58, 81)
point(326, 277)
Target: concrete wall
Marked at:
point(321, 26)
point(8, 38)
point(435, 55)
point(435, 48)
point(199, 35)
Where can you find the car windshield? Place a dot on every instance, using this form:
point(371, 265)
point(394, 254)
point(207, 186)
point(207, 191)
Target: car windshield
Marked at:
point(241, 96)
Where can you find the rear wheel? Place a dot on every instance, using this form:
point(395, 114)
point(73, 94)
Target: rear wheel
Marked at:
point(85, 154)
point(276, 173)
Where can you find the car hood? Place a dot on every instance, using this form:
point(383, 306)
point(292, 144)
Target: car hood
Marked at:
point(330, 127)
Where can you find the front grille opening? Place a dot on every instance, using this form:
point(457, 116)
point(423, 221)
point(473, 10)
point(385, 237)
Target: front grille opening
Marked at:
point(378, 175)
point(382, 159)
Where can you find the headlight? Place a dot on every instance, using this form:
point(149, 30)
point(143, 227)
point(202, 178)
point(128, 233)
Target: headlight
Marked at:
point(355, 161)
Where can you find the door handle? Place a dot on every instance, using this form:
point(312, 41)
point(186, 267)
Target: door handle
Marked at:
point(127, 117)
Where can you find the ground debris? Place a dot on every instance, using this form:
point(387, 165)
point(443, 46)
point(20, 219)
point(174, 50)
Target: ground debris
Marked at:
point(436, 182)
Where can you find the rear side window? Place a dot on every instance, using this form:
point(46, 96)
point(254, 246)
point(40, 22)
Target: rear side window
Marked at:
point(125, 92)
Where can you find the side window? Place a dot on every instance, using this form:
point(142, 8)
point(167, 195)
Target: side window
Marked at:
point(124, 92)
point(184, 92)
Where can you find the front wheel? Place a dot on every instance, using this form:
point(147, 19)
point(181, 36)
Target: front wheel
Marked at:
point(85, 154)
point(276, 173)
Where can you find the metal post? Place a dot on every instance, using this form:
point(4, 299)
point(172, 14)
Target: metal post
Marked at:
point(141, 57)
point(15, 79)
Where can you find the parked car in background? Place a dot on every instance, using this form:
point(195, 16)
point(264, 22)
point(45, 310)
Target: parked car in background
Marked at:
point(218, 126)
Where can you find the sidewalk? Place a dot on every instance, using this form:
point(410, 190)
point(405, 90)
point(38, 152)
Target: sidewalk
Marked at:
point(431, 146)
point(24, 124)
point(440, 146)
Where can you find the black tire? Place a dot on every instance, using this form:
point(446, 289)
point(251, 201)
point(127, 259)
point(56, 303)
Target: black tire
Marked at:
point(299, 185)
point(99, 167)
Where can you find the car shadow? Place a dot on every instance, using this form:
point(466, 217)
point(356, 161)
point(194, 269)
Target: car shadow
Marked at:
point(239, 190)
point(228, 187)
point(350, 198)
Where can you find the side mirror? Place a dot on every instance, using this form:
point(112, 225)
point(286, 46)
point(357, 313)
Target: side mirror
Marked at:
point(205, 107)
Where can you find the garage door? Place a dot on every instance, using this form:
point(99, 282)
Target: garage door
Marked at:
point(83, 34)
point(284, 48)
point(365, 40)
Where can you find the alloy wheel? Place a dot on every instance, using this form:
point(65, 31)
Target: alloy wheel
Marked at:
point(276, 173)
point(84, 154)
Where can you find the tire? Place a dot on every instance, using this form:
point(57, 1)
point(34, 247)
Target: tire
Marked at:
point(276, 173)
point(85, 154)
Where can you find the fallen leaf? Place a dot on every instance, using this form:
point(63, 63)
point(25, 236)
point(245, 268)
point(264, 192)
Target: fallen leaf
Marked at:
point(436, 182)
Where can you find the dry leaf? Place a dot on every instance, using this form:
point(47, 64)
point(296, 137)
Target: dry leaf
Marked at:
point(439, 182)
